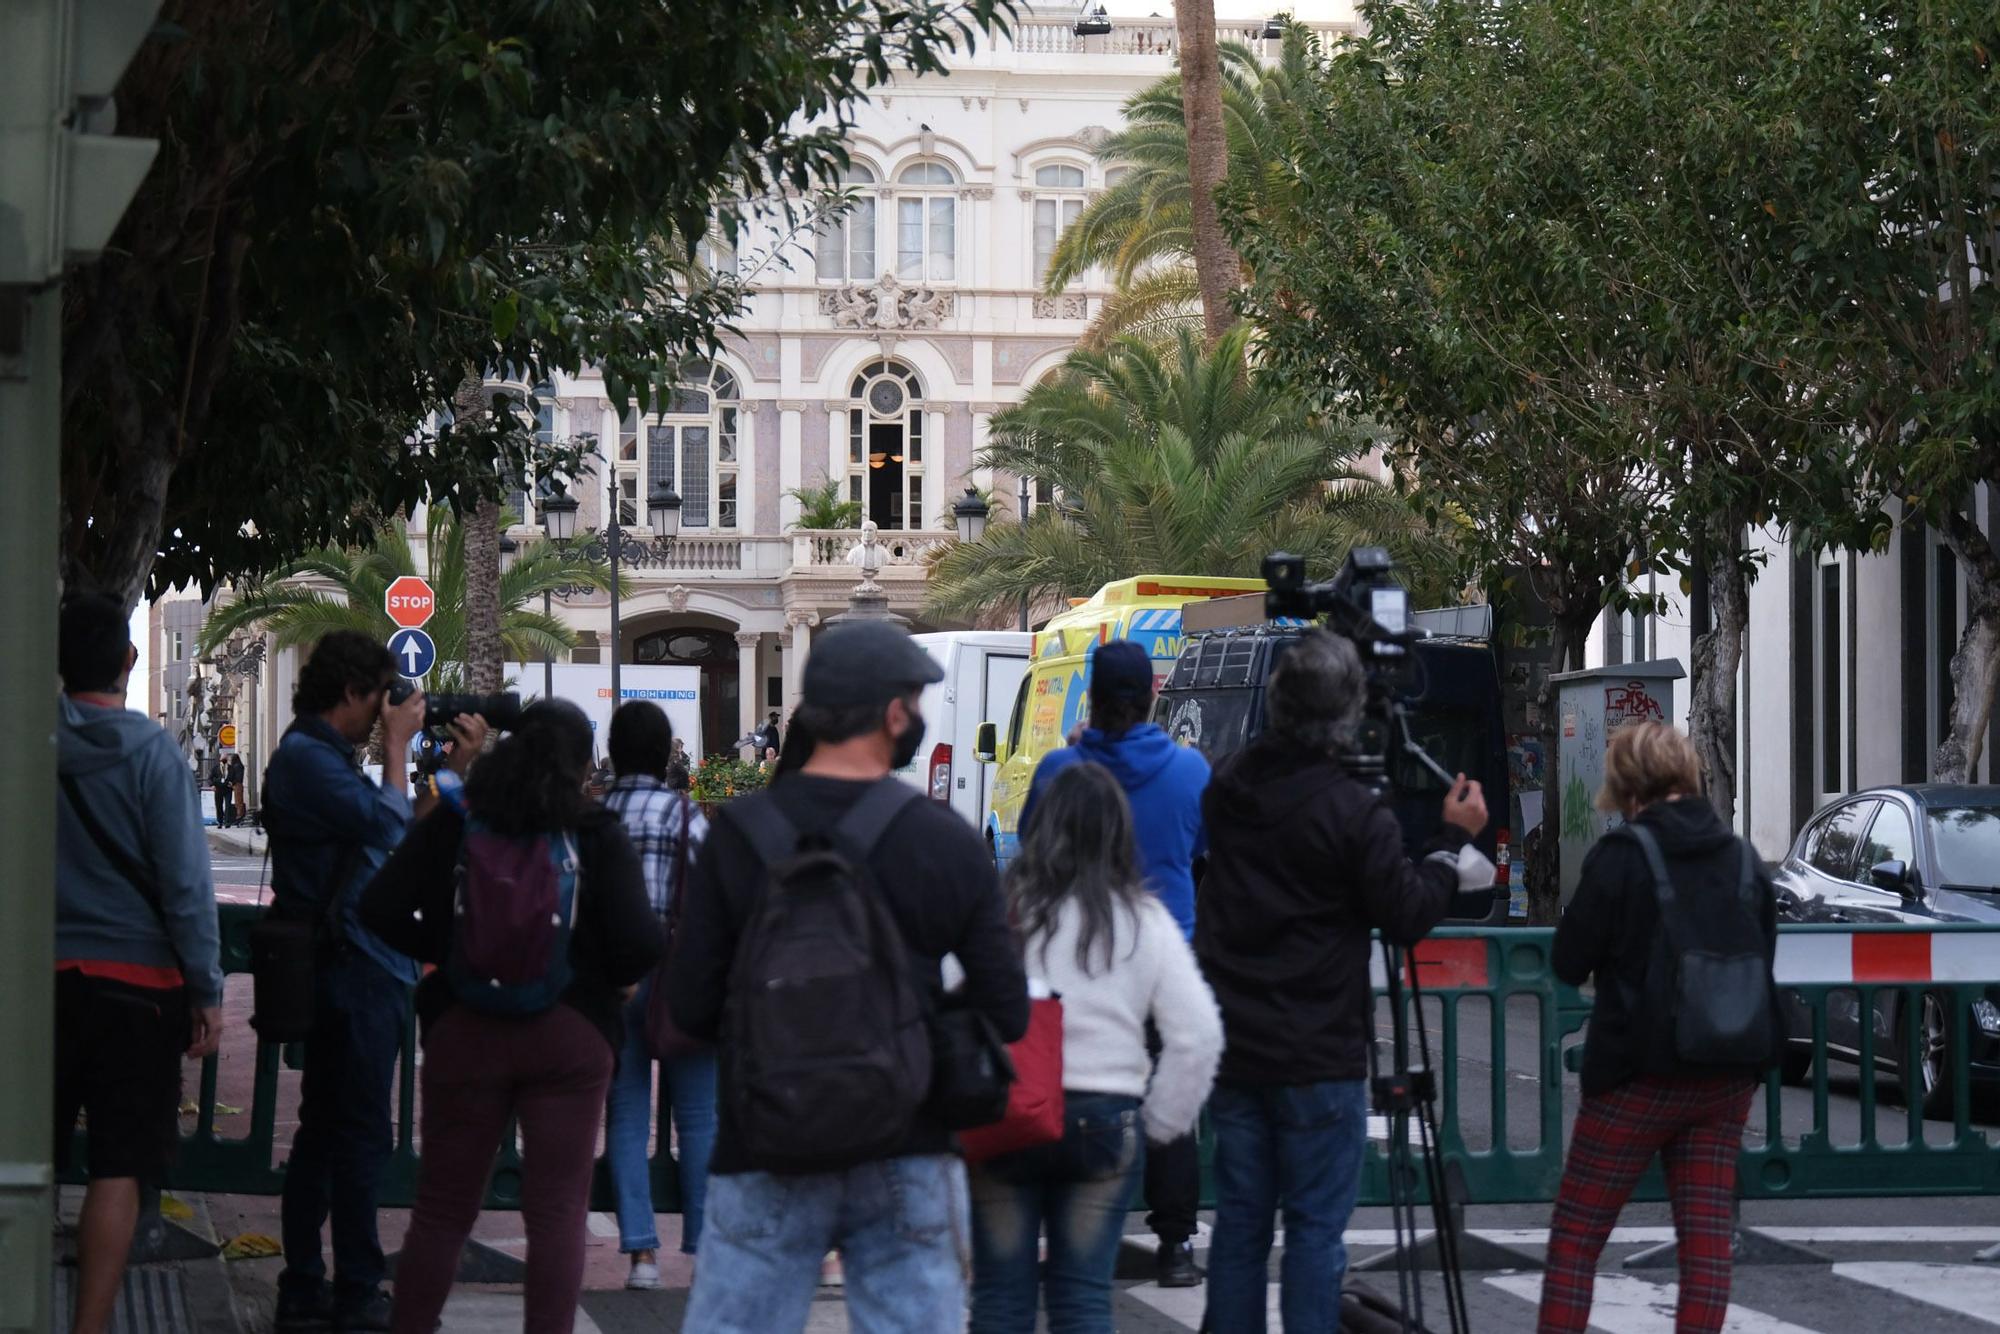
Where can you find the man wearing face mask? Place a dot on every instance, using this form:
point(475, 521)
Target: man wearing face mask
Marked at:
point(898, 1217)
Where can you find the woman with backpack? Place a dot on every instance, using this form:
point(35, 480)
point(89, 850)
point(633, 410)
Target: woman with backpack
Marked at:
point(1115, 956)
point(1676, 921)
point(531, 902)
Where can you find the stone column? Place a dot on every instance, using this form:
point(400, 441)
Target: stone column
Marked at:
point(801, 620)
point(749, 677)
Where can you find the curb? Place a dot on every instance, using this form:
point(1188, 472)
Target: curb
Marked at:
point(242, 841)
point(210, 1297)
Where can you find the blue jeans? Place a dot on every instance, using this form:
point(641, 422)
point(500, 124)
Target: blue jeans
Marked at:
point(1299, 1145)
point(1082, 1188)
point(345, 1132)
point(900, 1225)
point(628, 1128)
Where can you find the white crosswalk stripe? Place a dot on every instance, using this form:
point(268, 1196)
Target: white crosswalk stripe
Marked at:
point(1626, 1305)
point(1967, 1290)
point(485, 1312)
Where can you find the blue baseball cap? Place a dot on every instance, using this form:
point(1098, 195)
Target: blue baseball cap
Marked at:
point(1121, 670)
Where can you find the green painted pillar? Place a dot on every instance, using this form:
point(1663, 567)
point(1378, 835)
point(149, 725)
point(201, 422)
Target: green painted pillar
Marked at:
point(29, 489)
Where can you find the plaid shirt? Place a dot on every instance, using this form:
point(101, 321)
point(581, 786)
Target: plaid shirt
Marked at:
point(657, 819)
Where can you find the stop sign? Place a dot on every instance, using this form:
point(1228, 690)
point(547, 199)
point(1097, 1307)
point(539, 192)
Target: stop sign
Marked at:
point(409, 601)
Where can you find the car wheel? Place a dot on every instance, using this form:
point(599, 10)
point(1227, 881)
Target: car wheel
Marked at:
point(1926, 1071)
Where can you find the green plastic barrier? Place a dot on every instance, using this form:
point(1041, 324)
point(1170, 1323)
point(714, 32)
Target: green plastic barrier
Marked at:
point(1471, 978)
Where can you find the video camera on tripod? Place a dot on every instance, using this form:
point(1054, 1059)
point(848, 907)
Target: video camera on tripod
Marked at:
point(1368, 606)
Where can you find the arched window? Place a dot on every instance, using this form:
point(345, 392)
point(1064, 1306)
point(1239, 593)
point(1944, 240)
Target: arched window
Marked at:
point(692, 446)
point(844, 245)
point(885, 445)
point(1058, 204)
point(926, 223)
point(1113, 175)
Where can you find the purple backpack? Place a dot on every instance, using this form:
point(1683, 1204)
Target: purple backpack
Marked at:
point(512, 915)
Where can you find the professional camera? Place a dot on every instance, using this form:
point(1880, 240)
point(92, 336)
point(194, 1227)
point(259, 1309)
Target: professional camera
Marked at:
point(1363, 602)
point(501, 710)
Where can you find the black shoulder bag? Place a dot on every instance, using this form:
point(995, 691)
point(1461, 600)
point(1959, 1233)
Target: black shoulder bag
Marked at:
point(286, 952)
point(1720, 1003)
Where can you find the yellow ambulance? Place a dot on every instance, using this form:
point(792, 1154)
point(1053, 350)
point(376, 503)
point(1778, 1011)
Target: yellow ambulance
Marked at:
point(1054, 696)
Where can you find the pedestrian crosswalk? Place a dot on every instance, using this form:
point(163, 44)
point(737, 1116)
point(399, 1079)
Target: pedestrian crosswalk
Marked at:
point(1623, 1304)
point(1964, 1296)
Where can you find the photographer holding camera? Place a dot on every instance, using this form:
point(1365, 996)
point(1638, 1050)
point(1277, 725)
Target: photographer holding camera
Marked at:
point(331, 828)
point(1304, 861)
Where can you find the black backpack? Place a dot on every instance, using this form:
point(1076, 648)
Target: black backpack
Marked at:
point(1719, 1004)
point(828, 1039)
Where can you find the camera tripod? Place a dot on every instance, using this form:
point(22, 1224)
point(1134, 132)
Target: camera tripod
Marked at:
point(1406, 1093)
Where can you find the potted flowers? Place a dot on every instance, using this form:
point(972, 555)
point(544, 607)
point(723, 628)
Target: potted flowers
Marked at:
point(721, 778)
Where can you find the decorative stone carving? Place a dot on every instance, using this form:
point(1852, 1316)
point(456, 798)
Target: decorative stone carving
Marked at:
point(1027, 193)
point(792, 405)
point(1062, 308)
point(797, 616)
point(976, 192)
point(1024, 104)
point(749, 638)
point(677, 598)
point(886, 305)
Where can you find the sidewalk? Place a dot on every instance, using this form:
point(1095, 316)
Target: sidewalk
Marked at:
point(239, 839)
point(173, 1297)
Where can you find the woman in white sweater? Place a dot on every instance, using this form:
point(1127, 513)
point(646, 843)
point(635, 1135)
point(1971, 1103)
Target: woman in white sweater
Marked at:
point(1114, 954)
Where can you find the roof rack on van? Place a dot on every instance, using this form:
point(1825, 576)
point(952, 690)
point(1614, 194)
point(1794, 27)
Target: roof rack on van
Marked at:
point(1245, 612)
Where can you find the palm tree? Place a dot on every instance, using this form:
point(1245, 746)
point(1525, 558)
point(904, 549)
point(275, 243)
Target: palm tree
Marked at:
point(1141, 229)
point(294, 604)
point(1184, 461)
point(1218, 270)
point(825, 508)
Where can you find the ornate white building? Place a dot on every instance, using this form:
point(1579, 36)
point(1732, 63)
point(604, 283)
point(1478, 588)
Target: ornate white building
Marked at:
point(874, 351)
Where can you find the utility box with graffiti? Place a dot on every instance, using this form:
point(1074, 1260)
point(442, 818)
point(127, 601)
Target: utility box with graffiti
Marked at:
point(1590, 708)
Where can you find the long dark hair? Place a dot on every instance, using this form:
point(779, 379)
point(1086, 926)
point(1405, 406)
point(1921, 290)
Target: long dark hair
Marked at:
point(532, 782)
point(1080, 849)
point(797, 749)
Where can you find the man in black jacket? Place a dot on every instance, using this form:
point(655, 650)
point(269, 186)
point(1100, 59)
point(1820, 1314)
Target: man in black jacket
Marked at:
point(1304, 862)
point(902, 1222)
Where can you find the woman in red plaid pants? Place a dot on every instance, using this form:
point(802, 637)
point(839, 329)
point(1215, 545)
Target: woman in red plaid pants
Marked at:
point(1639, 1097)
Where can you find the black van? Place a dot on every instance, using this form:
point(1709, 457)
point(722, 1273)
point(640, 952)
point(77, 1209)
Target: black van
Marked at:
point(1214, 700)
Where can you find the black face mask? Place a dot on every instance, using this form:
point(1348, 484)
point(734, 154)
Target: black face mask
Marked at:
point(909, 742)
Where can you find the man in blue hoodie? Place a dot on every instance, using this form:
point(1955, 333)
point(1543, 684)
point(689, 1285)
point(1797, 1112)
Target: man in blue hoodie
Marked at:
point(1164, 782)
point(138, 966)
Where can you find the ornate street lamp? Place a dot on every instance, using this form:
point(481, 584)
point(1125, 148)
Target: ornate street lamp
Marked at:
point(663, 511)
point(509, 549)
point(971, 513)
point(559, 518)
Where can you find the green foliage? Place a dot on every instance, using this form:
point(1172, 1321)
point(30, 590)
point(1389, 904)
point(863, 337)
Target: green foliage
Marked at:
point(724, 777)
point(1178, 461)
point(357, 201)
point(825, 507)
point(341, 589)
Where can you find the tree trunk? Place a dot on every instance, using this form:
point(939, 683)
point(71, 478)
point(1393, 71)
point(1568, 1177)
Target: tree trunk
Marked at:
point(1718, 658)
point(1567, 632)
point(484, 670)
point(1975, 667)
point(1218, 270)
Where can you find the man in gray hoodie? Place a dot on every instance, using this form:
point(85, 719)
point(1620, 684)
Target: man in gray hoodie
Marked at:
point(138, 967)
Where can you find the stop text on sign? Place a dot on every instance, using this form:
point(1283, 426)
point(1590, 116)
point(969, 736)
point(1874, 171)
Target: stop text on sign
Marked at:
point(409, 601)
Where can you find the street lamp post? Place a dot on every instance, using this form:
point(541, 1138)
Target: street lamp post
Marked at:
point(663, 515)
point(1021, 513)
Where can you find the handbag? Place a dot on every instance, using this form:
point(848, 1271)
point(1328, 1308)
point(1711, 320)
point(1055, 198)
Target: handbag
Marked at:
point(287, 949)
point(664, 1038)
point(971, 1073)
point(1035, 1102)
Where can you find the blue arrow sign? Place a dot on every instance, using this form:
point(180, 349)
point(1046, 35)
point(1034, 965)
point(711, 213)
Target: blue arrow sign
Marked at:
point(414, 651)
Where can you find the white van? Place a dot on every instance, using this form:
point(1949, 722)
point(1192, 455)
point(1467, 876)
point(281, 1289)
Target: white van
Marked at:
point(982, 672)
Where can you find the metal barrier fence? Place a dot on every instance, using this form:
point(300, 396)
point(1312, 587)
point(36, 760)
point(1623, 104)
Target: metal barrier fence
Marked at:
point(1901, 994)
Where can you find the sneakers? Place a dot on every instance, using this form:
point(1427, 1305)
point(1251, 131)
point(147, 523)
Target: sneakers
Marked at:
point(370, 1313)
point(831, 1275)
point(645, 1275)
point(311, 1309)
point(1177, 1268)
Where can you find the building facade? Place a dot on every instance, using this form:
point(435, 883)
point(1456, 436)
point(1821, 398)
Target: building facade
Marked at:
point(875, 349)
